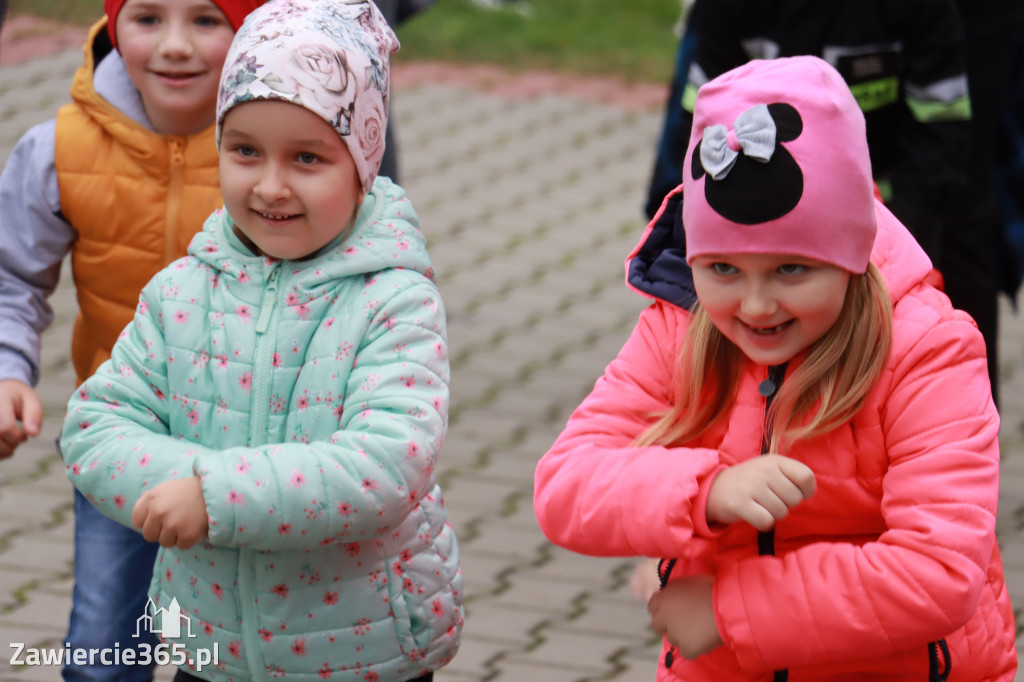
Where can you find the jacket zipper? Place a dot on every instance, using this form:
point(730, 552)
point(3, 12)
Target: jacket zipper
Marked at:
point(258, 409)
point(769, 388)
point(174, 189)
point(934, 674)
point(665, 567)
point(765, 541)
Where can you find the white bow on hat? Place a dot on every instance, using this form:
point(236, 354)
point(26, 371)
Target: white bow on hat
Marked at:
point(753, 132)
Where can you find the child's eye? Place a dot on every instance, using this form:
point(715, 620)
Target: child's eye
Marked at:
point(307, 158)
point(147, 19)
point(792, 268)
point(209, 21)
point(245, 150)
point(723, 268)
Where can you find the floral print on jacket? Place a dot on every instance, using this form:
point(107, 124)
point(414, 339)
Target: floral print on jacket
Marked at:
point(311, 398)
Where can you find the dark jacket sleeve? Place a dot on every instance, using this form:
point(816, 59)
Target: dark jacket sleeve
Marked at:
point(919, 145)
point(710, 46)
point(931, 165)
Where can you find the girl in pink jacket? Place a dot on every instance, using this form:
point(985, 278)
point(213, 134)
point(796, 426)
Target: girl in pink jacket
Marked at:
point(800, 424)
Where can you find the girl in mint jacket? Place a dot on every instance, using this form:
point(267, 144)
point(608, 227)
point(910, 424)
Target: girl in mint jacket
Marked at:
point(274, 413)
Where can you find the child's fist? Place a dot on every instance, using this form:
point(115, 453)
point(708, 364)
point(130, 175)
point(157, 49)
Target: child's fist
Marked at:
point(684, 613)
point(173, 513)
point(759, 491)
point(21, 415)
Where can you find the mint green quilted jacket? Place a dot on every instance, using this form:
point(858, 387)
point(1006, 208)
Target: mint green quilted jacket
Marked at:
point(311, 398)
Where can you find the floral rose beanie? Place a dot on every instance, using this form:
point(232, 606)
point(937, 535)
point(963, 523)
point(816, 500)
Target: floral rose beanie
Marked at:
point(329, 56)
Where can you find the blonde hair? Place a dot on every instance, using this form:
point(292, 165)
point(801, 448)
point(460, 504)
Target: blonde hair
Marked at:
point(826, 390)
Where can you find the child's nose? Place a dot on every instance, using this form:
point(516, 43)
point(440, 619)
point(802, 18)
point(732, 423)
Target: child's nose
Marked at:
point(272, 185)
point(758, 302)
point(176, 43)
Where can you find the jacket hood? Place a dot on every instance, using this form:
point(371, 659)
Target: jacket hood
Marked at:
point(113, 84)
point(657, 267)
point(103, 73)
point(385, 235)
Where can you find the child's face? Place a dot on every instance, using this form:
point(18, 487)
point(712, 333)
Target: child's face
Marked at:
point(174, 51)
point(288, 180)
point(771, 306)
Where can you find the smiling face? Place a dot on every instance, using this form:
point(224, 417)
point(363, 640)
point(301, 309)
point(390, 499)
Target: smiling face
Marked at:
point(288, 180)
point(770, 306)
point(174, 51)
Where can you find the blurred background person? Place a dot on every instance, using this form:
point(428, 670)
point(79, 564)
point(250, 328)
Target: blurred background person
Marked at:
point(930, 77)
point(395, 12)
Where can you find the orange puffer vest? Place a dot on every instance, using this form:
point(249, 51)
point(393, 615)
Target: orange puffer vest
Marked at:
point(134, 197)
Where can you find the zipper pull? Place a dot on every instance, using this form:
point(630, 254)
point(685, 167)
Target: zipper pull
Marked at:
point(665, 567)
point(269, 300)
point(177, 151)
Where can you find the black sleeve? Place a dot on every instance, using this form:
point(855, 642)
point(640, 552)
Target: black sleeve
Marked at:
point(710, 46)
point(934, 128)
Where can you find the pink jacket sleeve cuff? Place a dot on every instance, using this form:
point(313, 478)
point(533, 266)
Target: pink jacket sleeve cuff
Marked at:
point(699, 510)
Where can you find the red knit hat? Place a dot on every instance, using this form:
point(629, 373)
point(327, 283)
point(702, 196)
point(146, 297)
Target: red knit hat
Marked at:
point(234, 10)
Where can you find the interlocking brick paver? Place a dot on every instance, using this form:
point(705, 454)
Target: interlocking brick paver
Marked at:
point(42, 611)
point(613, 617)
point(577, 655)
point(483, 575)
point(517, 545)
point(500, 622)
point(475, 662)
point(28, 551)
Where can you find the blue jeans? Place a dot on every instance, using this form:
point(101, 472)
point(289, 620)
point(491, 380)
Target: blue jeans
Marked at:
point(113, 570)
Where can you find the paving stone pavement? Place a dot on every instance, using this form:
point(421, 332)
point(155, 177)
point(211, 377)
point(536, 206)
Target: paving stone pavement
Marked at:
point(530, 206)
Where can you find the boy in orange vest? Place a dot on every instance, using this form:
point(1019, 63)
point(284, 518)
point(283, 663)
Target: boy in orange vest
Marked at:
point(122, 179)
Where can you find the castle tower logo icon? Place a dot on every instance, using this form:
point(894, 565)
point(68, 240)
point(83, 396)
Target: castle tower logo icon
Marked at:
point(170, 620)
point(164, 622)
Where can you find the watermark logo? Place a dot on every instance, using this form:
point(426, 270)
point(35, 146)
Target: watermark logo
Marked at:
point(170, 621)
point(165, 622)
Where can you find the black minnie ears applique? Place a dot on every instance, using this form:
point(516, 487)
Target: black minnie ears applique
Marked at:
point(752, 178)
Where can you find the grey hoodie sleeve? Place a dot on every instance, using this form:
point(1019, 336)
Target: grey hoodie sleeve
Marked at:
point(34, 238)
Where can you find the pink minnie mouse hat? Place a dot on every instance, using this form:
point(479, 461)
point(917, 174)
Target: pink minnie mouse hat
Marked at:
point(778, 163)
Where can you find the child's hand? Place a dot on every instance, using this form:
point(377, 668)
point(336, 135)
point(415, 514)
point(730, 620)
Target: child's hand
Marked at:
point(18, 403)
point(173, 513)
point(683, 611)
point(759, 491)
point(644, 582)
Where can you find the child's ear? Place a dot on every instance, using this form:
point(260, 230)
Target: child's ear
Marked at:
point(696, 167)
point(788, 124)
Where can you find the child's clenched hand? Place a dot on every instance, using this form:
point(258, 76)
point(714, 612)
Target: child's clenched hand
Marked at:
point(683, 611)
point(759, 491)
point(173, 513)
point(21, 415)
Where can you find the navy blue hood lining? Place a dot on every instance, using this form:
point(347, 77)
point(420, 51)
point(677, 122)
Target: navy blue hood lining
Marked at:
point(659, 267)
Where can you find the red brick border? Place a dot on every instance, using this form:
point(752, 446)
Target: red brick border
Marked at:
point(26, 37)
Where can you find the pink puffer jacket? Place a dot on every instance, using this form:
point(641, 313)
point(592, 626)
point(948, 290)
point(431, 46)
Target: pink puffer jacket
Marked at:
point(892, 566)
